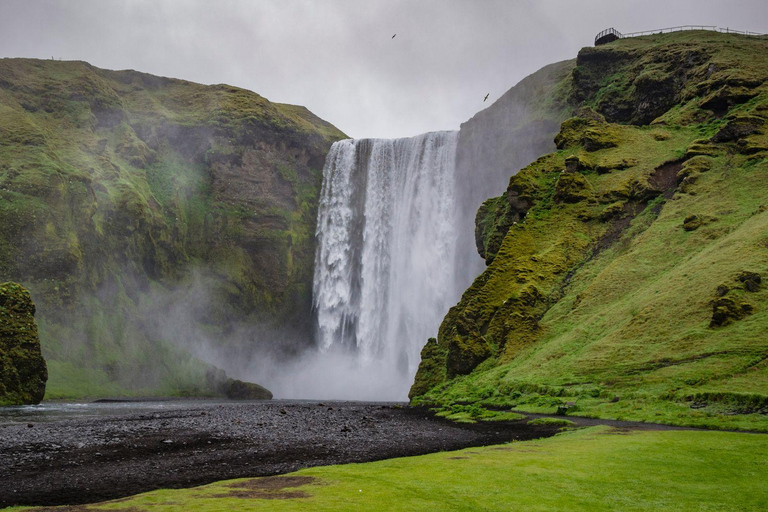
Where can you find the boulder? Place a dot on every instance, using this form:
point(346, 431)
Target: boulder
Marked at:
point(751, 281)
point(219, 382)
point(572, 188)
point(240, 390)
point(23, 372)
point(692, 223)
point(726, 310)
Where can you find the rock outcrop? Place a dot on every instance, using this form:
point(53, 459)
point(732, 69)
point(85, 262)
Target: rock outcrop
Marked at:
point(23, 372)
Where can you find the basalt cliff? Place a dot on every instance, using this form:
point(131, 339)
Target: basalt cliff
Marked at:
point(143, 213)
point(626, 265)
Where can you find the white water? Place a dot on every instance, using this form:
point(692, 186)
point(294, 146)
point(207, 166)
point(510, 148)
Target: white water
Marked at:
point(385, 262)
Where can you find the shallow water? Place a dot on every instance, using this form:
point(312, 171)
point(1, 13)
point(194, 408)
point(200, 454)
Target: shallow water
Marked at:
point(48, 412)
point(57, 411)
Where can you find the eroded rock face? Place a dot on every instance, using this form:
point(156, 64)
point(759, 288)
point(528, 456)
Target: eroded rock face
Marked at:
point(120, 189)
point(23, 372)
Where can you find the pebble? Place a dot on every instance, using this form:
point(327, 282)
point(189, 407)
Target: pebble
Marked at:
point(239, 440)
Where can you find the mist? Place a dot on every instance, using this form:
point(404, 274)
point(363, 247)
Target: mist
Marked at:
point(338, 58)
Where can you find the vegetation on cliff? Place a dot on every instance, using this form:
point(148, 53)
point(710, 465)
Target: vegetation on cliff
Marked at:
point(22, 368)
point(134, 206)
point(625, 270)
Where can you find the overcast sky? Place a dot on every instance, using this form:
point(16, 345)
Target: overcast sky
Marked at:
point(337, 57)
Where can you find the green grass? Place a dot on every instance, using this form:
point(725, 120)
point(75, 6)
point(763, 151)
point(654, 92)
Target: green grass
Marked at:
point(593, 469)
point(474, 413)
point(623, 326)
point(559, 422)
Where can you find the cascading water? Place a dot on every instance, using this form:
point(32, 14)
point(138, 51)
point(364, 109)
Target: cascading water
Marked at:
point(385, 262)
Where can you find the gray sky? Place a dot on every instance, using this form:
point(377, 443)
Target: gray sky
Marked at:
point(337, 57)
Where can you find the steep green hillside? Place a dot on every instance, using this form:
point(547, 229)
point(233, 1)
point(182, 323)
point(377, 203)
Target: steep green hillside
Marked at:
point(136, 207)
point(625, 271)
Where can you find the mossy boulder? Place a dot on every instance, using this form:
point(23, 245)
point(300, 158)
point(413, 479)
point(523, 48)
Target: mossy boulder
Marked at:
point(692, 222)
point(695, 221)
point(241, 390)
point(23, 372)
point(726, 310)
point(218, 382)
point(493, 220)
point(751, 281)
point(690, 172)
point(739, 127)
point(607, 165)
point(572, 187)
point(591, 134)
point(701, 147)
point(465, 352)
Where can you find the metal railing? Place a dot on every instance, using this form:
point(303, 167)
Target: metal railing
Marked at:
point(611, 31)
point(667, 30)
point(711, 28)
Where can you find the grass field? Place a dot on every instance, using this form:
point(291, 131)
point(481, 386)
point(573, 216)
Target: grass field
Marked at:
point(597, 468)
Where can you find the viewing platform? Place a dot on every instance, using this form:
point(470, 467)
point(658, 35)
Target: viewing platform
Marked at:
point(611, 34)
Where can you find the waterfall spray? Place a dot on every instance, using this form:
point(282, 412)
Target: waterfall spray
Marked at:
point(385, 261)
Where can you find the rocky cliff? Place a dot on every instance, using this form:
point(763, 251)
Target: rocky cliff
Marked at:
point(135, 206)
point(625, 268)
point(502, 139)
point(22, 368)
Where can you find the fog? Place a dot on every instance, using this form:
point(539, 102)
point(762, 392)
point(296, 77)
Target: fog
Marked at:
point(338, 57)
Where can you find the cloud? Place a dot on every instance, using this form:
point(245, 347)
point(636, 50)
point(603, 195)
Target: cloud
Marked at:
point(338, 57)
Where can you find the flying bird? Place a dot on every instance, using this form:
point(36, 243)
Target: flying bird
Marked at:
point(394, 36)
point(486, 97)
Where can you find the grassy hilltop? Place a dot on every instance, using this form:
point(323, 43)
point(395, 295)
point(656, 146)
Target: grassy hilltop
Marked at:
point(127, 199)
point(626, 271)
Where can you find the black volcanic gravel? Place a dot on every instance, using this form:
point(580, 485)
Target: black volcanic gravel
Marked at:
point(89, 460)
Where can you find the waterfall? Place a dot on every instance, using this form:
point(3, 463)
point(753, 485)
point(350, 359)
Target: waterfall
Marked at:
point(385, 261)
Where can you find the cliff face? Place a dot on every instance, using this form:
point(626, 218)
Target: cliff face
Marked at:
point(624, 269)
point(502, 139)
point(22, 368)
point(124, 195)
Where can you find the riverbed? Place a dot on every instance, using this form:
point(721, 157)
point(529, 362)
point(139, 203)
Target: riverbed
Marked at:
point(57, 454)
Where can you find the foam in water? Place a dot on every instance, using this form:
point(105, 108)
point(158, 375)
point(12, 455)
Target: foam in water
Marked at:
point(385, 262)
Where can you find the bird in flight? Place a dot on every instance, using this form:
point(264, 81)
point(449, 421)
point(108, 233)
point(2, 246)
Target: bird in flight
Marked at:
point(486, 97)
point(394, 36)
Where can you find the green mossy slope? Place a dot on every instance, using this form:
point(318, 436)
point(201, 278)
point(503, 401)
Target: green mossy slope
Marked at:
point(626, 269)
point(120, 192)
point(22, 368)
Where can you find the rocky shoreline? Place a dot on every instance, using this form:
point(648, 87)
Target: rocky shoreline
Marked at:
point(78, 461)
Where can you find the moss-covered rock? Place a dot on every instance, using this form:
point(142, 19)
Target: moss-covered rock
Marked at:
point(692, 222)
point(572, 187)
point(602, 295)
point(750, 280)
point(592, 135)
point(23, 372)
point(738, 128)
point(240, 390)
point(432, 370)
point(120, 189)
point(726, 310)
